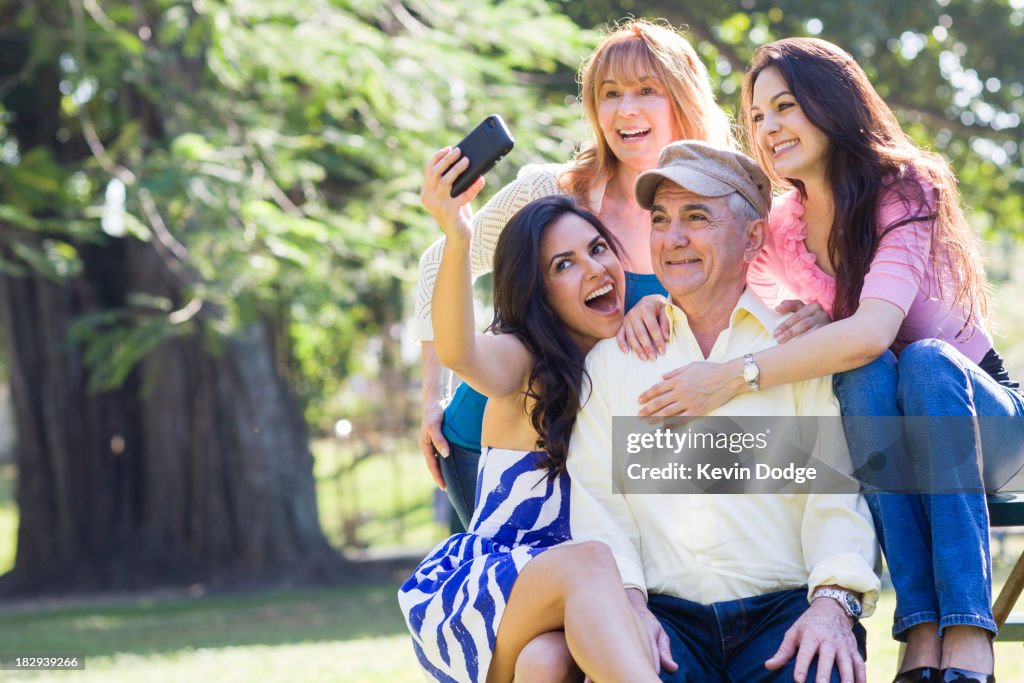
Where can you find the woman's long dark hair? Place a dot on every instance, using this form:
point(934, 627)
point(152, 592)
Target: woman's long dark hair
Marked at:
point(870, 158)
point(521, 308)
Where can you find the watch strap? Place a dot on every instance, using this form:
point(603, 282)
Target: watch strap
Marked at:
point(846, 599)
point(750, 368)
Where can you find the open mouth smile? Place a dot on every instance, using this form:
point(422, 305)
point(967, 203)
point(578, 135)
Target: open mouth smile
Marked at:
point(783, 146)
point(603, 299)
point(633, 133)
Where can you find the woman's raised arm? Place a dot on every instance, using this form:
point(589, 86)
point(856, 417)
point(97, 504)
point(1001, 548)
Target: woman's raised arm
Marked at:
point(493, 365)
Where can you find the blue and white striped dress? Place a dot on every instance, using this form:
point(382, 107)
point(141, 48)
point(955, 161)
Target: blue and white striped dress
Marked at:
point(454, 601)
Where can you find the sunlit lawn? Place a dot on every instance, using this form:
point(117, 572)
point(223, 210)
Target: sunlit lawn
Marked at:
point(389, 496)
point(350, 634)
point(345, 634)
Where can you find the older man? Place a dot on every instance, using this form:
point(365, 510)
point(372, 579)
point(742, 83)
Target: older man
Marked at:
point(745, 587)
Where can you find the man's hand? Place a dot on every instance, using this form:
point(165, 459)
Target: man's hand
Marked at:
point(824, 630)
point(661, 651)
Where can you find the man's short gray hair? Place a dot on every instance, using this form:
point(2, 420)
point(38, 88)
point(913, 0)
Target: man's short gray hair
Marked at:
point(742, 209)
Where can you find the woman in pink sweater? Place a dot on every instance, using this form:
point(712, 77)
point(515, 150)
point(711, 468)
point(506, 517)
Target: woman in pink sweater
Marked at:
point(872, 230)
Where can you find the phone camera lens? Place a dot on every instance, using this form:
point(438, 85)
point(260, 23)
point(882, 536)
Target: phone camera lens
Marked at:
point(490, 123)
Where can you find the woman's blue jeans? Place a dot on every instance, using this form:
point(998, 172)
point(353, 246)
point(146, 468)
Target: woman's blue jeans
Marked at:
point(937, 545)
point(459, 470)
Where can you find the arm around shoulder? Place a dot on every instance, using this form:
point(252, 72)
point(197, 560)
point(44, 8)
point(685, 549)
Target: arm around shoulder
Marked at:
point(837, 347)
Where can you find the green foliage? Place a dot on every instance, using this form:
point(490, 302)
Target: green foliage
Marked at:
point(353, 634)
point(116, 340)
point(272, 151)
point(953, 70)
point(375, 497)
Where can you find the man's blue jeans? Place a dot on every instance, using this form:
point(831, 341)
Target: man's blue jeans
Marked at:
point(936, 545)
point(459, 470)
point(731, 640)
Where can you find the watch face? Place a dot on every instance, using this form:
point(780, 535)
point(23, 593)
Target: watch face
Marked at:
point(749, 373)
point(853, 605)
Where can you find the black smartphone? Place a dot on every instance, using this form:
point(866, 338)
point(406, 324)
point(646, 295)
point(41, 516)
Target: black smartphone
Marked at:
point(485, 146)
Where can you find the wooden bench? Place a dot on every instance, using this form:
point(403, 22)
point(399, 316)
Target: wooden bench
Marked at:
point(1008, 510)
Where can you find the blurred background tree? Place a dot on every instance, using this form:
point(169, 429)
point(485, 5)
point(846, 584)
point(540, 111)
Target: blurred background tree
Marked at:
point(209, 228)
point(208, 219)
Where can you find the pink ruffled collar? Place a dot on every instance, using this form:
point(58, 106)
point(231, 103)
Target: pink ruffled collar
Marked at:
point(788, 232)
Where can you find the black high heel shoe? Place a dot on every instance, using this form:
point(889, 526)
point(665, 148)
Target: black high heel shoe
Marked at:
point(955, 675)
point(922, 674)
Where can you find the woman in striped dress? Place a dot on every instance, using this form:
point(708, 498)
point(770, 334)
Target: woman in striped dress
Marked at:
point(510, 599)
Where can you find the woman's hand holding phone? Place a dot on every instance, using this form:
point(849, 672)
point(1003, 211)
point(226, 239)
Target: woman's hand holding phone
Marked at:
point(451, 213)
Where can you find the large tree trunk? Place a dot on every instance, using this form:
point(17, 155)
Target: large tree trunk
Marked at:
point(196, 470)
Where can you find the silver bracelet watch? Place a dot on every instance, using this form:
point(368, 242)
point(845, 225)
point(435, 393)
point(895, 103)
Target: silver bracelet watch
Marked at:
point(751, 373)
point(847, 600)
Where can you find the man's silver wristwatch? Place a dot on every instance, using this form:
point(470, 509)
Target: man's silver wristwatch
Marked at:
point(751, 373)
point(847, 600)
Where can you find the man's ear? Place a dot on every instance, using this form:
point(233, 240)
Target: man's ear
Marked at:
point(754, 236)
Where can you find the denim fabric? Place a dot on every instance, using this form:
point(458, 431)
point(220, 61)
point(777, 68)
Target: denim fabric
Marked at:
point(459, 470)
point(936, 545)
point(730, 641)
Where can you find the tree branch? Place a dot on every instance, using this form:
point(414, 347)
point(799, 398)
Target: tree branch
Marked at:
point(88, 128)
point(166, 245)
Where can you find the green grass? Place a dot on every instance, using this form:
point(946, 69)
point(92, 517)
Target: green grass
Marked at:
point(353, 634)
point(343, 634)
point(385, 500)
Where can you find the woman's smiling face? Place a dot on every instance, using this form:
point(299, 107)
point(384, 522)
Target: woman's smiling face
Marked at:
point(636, 119)
point(583, 280)
point(796, 147)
